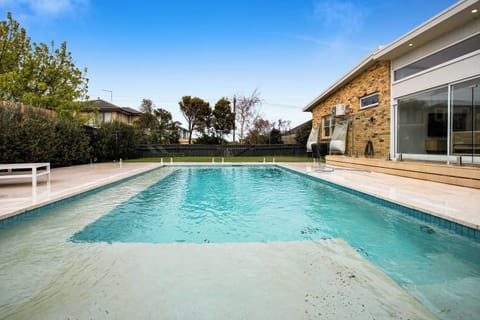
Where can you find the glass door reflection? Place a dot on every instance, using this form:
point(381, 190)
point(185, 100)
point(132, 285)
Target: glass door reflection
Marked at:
point(465, 121)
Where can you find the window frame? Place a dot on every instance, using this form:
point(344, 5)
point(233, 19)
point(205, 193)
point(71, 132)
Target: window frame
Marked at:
point(371, 105)
point(331, 126)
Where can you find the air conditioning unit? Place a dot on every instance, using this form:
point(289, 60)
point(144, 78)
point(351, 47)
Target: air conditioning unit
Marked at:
point(339, 110)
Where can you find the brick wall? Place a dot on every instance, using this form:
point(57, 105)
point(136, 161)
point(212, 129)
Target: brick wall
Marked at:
point(368, 124)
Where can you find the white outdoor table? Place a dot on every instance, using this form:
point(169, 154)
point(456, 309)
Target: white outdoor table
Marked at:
point(34, 167)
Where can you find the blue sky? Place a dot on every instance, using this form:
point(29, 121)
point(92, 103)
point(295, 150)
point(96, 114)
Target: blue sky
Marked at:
point(291, 50)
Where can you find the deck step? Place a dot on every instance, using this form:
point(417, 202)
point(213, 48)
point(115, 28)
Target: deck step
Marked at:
point(439, 172)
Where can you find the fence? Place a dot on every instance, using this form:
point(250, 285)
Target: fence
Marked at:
point(23, 107)
point(174, 150)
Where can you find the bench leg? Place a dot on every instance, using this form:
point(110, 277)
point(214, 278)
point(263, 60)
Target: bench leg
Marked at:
point(34, 177)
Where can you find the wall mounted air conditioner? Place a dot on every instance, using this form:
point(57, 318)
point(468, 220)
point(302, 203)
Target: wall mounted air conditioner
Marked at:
point(339, 110)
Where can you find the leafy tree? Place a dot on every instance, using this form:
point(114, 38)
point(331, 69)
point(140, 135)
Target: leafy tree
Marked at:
point(168, 130)
point(146, 125)
point(246, 112)
point(259, 133)
point(147, 106)
point(156, 125)
point(223, 118)
point(303, 133)
point(39, 76)
point(275, 136)
point(58, 83)
point(14, 47)
point(197, 112)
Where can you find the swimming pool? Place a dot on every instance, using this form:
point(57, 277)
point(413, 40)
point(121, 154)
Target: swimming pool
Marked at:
point(227, 204)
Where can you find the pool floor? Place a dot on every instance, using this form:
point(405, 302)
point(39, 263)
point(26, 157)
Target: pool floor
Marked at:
point(278, 280)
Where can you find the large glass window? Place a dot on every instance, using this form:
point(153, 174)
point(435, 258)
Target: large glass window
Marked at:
point(466, 118)
point(423, 122)
point(450, 53)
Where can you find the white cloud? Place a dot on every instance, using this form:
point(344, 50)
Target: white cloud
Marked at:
point(43, 7)
point(340, 16)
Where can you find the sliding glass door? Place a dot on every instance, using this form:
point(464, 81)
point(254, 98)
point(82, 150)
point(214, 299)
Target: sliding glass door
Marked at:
point(465, 121)
point(423, 123)
point(432, 127)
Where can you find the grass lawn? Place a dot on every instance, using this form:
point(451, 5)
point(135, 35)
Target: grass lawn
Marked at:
point(226, 159)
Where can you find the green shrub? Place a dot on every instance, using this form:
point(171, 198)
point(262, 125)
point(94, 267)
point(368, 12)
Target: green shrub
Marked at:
point(26, 136)
point(72, 145)
point(114, 140)
point(10, 120)
point(36, 136)
point(206, 139)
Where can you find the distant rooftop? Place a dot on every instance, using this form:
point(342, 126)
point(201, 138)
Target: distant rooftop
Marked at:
point(105, 106)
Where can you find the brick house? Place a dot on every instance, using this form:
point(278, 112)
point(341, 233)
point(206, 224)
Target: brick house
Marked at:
point(417, 98)
point(365, 94)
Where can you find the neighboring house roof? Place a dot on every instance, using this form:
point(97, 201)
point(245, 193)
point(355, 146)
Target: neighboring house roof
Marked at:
point(132, 111)
point(105, 106)
point(458, 14)
point(294, 130)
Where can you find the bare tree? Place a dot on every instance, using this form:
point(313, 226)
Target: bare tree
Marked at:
point(147, 106)
point(284, 125)
point(246, 112)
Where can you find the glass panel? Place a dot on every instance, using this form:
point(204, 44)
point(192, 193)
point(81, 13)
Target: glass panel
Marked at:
point(326, 126)
point(422, 122)
point(369, 101)
point(466, 118)
point(450, 53)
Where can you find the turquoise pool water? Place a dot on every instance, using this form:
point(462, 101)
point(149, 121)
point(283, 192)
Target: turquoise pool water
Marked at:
point(257, 204)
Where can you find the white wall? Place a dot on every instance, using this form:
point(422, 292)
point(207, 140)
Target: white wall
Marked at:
point(456, 70)
point(439, 43)
point(459, 69)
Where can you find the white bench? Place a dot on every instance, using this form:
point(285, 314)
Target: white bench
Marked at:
point(6, 171)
